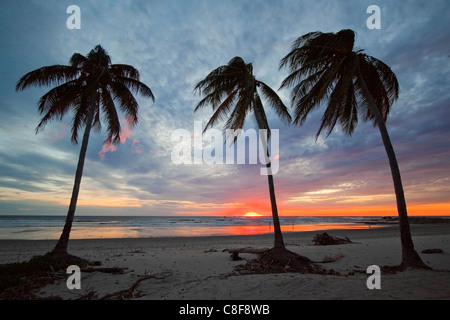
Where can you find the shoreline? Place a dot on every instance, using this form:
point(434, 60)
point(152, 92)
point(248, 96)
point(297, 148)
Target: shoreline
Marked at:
point(110, 228)
point(237, 237)
point(197, 268)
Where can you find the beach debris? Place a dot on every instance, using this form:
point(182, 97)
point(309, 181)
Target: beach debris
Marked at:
point(279, 260)
point(331, 259)
point(436, 250)
point(137, 251)
point(21, 280)
point(114, 270)
point(129, 293)
point(234, 253)
point(325, 239)
point(293, 244)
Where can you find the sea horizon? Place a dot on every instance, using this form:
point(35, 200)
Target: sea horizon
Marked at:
point(49, 227)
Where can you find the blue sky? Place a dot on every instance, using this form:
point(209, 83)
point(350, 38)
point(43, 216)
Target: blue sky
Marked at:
point(174, 44)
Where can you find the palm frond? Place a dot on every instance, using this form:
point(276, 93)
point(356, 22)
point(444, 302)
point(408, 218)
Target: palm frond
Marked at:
point(59, 96)
point(275, 101)
point(46, 76)
point(137, 87)
point(260, 115)
point(339, 98)
point(124, 71)
point(308, 95)
point(216, 95)
point(127, 102)
point(79, 61)
point(80, 116)
point(111, 117)
point(242, 108)
point(99, 56)
point(382, 85)
point(324, 66)
point(221, 111)
point(88, 82)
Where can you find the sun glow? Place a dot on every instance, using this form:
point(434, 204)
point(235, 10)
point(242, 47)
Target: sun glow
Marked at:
point(252, 214)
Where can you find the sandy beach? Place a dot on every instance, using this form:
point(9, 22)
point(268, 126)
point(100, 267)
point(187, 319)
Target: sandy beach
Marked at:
point(197, 268)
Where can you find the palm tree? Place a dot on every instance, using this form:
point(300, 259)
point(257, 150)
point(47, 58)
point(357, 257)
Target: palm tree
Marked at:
point(324, 66)
point(233, 88)
point(90, 85)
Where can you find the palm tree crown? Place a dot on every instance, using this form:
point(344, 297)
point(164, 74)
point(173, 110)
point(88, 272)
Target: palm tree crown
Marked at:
point(88, 82)
point(233, 86)
point(324, 66)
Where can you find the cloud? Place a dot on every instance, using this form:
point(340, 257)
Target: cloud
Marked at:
point(136, 146)
point(107, 147)
point(59, 135)
point(124, 134)
point(174, 44)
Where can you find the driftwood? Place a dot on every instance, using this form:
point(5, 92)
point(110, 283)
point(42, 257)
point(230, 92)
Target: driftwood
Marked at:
point(279, 260)
point(113, 270)
point(125, 294)
point(129, 293)
point(234, 253)
point(331, 259)
point(325, 239)
point(432, 251)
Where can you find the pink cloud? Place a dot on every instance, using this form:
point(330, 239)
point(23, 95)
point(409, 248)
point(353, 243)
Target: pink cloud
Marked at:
point(60, 134)
point(124, 134)
point(107, 147)
point(136, 146)
point(156, 151)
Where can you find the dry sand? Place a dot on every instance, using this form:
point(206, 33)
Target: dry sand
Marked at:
point(198, 269)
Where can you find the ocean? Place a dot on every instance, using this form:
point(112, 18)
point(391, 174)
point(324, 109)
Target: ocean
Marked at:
point(95, 227)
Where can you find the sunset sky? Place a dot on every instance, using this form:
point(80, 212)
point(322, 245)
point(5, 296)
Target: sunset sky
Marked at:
point(176, 43)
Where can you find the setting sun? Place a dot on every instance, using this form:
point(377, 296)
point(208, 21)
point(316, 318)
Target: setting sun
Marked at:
point(251, 214)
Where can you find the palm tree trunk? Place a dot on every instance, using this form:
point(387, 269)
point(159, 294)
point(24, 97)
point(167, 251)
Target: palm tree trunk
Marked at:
point(61, 246)
point(278, 241)
point(410, 258)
